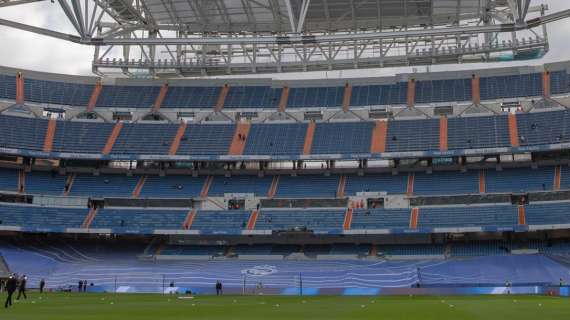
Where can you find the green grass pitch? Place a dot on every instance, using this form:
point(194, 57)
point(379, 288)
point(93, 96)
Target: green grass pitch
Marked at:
point(73, 306)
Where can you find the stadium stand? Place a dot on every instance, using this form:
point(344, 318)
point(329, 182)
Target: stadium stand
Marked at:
point(374, 95)
point(81, 136)
point(297, 187)
point(191, 97)
point(85, 185)
point(543, 127)
point(7, 87)
point(127, 96)
point(519, 180)
point(477, 132)
point(206, 140)
point(138, 220)
point(221, 222)
point(39, 218)
point(468, 216)
point(446, 183)
point(548, 213)
point(23, 133)
point(240, 184)
point(313, 219)
point(58, 93)
point(144, 139)
point(276, 139)
point(252, 97)
point(443, 91)
point(172, 187)
point(413, 135)
point(344, 138)
point(380, 219)
point(391, 184)
point(325, 97)
point(44, 183)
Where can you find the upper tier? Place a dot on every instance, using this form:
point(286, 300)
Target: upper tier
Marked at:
point(267, 94)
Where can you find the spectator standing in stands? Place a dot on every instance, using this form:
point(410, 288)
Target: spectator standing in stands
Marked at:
point(11, 285)
point(42, 285)
point(22, 287)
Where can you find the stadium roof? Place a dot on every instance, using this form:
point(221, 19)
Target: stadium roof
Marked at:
point(222, 37)
point(320, 15)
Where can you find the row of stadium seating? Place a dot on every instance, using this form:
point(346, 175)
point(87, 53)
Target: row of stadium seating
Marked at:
point(540, 128)
point(513, 180)
point(433, 91)
point(149, 221)
point(454, 249)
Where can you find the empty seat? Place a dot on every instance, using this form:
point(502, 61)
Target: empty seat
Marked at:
point(342, 138)
point(81, 136)
point(317, 220)
point(240, 184)
point(307, 187)
point(276, 139)
point(117, 96)
point(172, 187)
point(191, 97)
point(86, 185)
point(478, 132)
point(391, 184)
point(519, 180)
point(413, 135)
point(252, 97)
point(446, 183)
point(206, 139)
point(380, 219)
point(40, 182)
point(231, 222)
point(468, 216)
point(139, 220)
point(145, 139)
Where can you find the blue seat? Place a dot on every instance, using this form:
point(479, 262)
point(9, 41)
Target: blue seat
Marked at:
point(276, 139)
point(81, 136)
point(240, 184)
point(519, 180)
point(207, 140)
point(342, 138)
point(319, 220)
point(391, 184)
point(297, 187)
point(413, 135)
point(145, 139)
point(172, 187)
point(191, 97)
point(446, 183)
point(42, 182)
point(118, 96)
point(380, 219)
point(139, 220)
point(230, 222)
point(103, 186)
point(468, 216)
point(478, 132)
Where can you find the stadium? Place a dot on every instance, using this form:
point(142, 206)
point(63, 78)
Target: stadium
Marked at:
point(210, 146)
